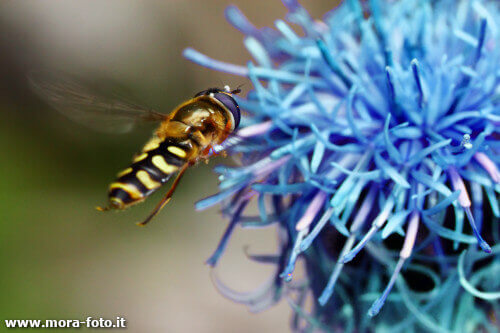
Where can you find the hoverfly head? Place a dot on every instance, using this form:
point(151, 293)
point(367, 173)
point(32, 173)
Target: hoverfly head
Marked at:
point(224, 96)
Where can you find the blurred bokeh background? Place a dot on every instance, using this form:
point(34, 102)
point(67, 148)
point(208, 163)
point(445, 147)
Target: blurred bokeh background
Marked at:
point(62, 259)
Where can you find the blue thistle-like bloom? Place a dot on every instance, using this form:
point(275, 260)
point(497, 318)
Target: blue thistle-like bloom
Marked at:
point(371, 140)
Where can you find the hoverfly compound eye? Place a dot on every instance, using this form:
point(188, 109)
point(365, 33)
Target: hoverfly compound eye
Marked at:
point(201, 93)
point(228, 101)
point(208, 92)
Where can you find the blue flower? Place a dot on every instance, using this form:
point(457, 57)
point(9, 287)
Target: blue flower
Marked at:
point(371, 140)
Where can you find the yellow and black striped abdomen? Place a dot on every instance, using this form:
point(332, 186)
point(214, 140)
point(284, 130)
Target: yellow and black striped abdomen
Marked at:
point(149, 170)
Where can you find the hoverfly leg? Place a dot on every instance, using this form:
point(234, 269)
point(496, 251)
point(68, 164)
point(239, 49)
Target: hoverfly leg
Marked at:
point(231, 141)
point(103, 209)
point(167, 196)
point(217, 149)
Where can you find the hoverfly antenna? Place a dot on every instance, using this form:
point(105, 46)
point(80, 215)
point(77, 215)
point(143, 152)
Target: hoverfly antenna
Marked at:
point(238, 89)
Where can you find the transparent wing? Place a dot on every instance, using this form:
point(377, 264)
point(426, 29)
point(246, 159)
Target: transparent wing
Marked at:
point(85, 105)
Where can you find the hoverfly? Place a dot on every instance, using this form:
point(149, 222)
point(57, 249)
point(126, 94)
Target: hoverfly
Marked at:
point(189, 134)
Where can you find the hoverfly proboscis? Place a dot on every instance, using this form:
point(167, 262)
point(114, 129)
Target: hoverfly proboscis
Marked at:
point(192, 132)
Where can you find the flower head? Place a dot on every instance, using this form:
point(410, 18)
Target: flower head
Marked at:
point(371, 139)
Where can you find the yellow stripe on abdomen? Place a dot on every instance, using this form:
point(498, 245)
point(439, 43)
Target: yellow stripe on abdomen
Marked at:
point(179, 152)
point(130, 189)
point(159, 162)
point(146, 180)
point(140, 157)
point(124, 172)
point(153, 143)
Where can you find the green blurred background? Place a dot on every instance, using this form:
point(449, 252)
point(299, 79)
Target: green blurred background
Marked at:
point(60, 258)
